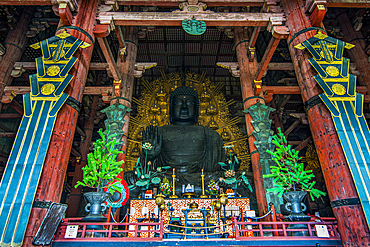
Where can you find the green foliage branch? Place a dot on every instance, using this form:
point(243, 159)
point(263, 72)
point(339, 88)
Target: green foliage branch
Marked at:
point(289, 173)
point(102, 169)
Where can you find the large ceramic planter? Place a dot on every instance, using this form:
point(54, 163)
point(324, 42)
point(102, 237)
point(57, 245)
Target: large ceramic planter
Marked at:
point(295, 205)
point(95, 208)
point(296, 208)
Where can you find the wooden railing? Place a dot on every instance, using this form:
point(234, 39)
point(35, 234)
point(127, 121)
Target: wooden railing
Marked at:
point(246, 231)
point(258, 230)
point(112, 231)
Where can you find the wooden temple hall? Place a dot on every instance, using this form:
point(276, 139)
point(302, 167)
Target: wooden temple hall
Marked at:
point(184, 123)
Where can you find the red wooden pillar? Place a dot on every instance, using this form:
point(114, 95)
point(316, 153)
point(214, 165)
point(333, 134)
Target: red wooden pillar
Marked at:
point(52, 178)
point(75, 195)
point(14, 43)
point(127, 68)
point(356, 54)
point(341, 190)
point(247, 71)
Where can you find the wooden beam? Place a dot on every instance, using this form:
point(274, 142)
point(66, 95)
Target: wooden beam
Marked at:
point(278, 33)
point(32, 65)
point(75, 152)
point(80, 131)
point(292, 127)
point(26, 2)
point(348, 4)
point(303, 144)
point(109, 58)
point(10, 115)
point(176, 18)
point(108, 90)
point(280, 66)
point(175, 3)
point(266, 58)
point(8, 134)
point(169, 3)
point(16, 106)
point(6, 129)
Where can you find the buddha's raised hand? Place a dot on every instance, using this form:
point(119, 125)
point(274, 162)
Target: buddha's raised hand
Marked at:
point(152, 137)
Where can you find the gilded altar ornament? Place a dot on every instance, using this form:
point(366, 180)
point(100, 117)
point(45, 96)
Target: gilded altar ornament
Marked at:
point(155, 109)
point(211, 109)
point(53, 70)
point(47, 89)
point(161, 94)
point(225, 135)
point(193, 26)
point(173, 185)
point(213, 124)
point(154, 121)
point(203, 194)
point(205, 95)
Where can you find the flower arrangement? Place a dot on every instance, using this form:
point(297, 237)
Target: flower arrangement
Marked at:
point(229, 167)
point(102, 168)
point(143, 172)
point(165, 187)
point(289, 173)
point(213, 187)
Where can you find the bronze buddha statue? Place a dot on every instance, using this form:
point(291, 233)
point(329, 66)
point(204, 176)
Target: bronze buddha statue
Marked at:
point(187, 147)
point(183, 145)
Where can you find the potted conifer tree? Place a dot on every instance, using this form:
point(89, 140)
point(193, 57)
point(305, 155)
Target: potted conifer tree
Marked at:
point(101, 171)
point(291, 180)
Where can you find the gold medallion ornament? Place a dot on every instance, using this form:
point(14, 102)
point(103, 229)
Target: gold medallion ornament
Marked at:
point(332, 71)
point(47, 89)
point(53, 70)
point(338, 89)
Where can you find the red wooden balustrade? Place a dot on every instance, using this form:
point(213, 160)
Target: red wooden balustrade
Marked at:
point(115, 232)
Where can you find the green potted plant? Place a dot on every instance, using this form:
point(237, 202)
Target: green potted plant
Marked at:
point(101, 171)
point(290, 178)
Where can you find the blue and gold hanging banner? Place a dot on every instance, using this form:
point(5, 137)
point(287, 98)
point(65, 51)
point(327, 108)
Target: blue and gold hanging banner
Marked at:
point(346, 107)
point(23, 170)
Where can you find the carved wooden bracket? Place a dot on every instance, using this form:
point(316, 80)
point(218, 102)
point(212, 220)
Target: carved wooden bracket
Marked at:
point(193, 6)
point(18, 70)
point(8, 97)
point(64, 9)
point(317, 9)
point(233, 68)
point(108, 5)
point(141, 67)
point(2, 50)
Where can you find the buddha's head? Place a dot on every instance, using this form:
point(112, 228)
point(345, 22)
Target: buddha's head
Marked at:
point(184, 106)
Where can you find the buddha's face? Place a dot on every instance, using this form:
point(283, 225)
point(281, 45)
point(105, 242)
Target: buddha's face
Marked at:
point(183, 109)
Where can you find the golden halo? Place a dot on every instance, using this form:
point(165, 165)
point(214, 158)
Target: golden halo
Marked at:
point(338, 89)
point(332, 71)
point(53, 70)
point(47, 89)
